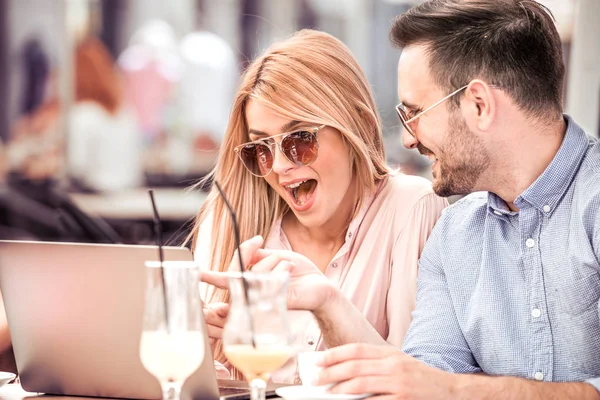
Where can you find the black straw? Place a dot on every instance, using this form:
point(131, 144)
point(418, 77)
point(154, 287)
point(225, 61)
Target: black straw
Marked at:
point(236, 231)
point(158, 233)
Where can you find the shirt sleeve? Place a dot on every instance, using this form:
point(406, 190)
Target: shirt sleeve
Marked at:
point(405, 256)
point(595, 382)
point(596, 237)
point(435, 337)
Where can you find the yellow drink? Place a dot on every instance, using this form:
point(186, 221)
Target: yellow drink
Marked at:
point(257, 362)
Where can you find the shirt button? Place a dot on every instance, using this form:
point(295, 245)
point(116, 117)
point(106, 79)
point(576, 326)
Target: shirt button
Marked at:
point(349, 234)
point(536, 313)
point(310, 340)
point(497, 212)
point(546, 208)
point(539, 376)
point(530, 242)
point(334, 265)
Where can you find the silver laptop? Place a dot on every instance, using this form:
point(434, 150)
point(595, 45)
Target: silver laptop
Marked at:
point(75, 316)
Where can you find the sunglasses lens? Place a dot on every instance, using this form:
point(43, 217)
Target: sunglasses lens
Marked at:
point(257, 158)
point(301, 147)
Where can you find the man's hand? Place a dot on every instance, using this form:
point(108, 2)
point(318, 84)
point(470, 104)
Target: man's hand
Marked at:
point(382, 370)
point(388, 373)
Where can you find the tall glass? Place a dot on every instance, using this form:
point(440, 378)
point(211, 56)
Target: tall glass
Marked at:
point(172, 352)
point(264, 319)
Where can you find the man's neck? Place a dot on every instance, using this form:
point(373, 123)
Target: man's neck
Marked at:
point(520, 160)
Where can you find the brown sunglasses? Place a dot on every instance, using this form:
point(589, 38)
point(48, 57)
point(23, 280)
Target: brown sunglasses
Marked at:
point(300, 147)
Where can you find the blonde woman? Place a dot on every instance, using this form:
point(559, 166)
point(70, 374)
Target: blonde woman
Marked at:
point(303, 165)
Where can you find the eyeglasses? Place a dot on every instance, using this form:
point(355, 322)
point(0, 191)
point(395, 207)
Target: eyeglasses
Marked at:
point(300, 147)
point(407, 119)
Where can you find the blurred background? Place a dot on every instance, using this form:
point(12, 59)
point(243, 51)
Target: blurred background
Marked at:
point(102, 99)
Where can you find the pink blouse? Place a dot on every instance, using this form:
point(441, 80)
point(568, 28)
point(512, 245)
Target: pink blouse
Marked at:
point(376, 267)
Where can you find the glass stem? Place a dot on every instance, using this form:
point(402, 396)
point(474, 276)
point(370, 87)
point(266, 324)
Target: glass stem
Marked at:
point(257, 389)
point(171, 391)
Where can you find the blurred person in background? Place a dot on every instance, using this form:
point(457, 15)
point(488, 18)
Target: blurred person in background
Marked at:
point(103, 144)
point(208, 84)
point(34, 148)
point(303, 165)
point(152, 69)
point(103, 153)
point(182, 95)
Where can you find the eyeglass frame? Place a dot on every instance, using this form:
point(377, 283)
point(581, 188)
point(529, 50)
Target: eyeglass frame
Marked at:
point(412, 119)
point(313, 131)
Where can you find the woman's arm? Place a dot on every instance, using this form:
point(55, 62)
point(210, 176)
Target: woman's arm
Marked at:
point(339, 320)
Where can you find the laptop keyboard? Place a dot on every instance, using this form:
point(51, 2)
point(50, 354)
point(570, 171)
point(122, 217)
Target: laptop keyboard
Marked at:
point(234, 393)
point(228, 391)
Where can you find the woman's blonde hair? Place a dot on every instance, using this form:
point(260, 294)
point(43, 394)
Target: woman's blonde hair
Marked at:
point(310, 77)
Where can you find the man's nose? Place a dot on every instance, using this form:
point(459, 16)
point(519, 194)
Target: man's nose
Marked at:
point(408, 139)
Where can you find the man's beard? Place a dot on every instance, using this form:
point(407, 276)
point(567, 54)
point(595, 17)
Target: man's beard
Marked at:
point(461, 161)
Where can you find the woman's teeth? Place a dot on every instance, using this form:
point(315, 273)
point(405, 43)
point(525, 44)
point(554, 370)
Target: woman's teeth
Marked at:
point(295, 185)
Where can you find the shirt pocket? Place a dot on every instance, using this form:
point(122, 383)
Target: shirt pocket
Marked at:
point(580, 295)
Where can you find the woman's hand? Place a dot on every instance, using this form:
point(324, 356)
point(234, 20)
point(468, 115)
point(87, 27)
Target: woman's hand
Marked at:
point(309, 289)
point(215, 315)
point(221, 371)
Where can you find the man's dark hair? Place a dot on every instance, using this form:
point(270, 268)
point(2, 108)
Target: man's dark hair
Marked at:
point(513, 44)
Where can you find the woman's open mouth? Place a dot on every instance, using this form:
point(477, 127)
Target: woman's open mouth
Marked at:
point(302, 194)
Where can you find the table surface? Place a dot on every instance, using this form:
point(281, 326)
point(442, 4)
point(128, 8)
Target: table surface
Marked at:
point(14, 391)
point(172, 203)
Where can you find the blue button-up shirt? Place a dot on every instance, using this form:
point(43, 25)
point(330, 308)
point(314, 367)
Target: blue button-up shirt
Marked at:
point(517, 293)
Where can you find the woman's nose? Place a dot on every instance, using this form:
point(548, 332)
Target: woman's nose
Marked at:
point(281, 165)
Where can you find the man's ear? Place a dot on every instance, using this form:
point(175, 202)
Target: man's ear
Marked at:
point(479, 104)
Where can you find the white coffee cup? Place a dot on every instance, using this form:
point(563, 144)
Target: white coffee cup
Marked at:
point(308, 369)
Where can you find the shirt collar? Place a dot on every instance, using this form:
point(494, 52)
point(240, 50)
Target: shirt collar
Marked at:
point(547, 190)
point(498, 206)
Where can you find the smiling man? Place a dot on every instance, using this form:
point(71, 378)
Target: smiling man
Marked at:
point(509, 281)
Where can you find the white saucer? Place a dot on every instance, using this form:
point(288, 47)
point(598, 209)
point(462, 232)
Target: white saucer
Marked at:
point(311, 393)
point(6, 377)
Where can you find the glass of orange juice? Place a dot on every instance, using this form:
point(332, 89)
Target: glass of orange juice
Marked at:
point(256, 337)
